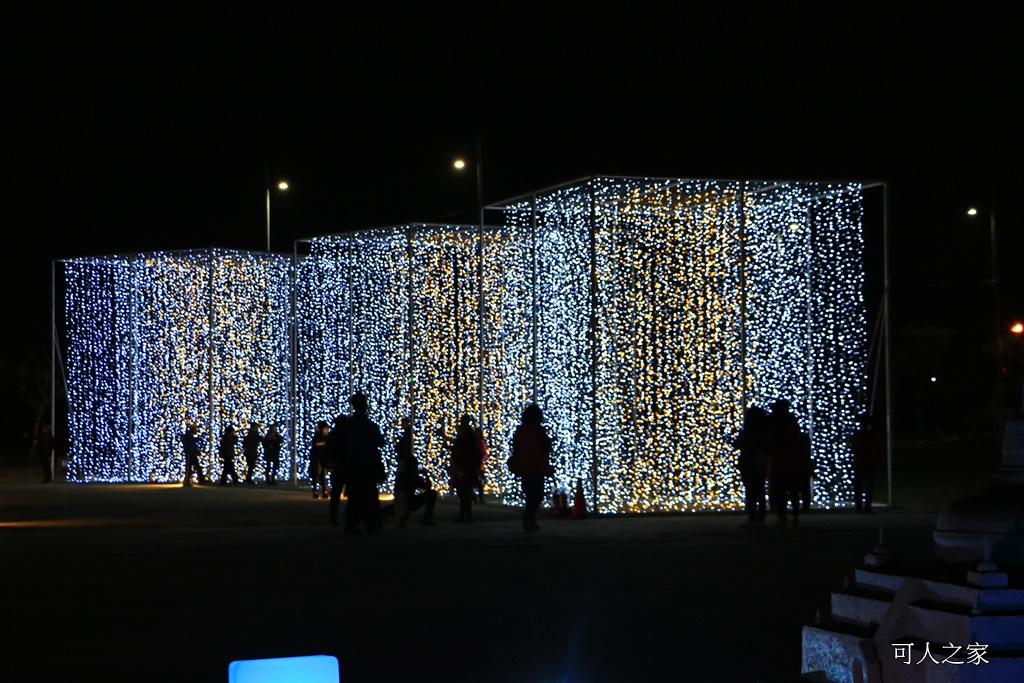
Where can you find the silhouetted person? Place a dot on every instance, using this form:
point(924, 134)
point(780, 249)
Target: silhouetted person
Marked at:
point(531, 453)
point(251, 450)
point(226, 451)
point(786, 467)
point(272, 453)
point(412, 489)
point(467, 459)
point(484, 455)
point(318, 461)
point(190, 443)
point(335, 458)
point(866, 445)
point(363, 466)
point(44, 449)
point(755, 445)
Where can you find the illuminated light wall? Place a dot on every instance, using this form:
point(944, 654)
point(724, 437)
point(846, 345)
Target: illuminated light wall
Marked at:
point(657, 309)
point(642, 315)
point(805, 300)
point(394, 313)
point(154, 342)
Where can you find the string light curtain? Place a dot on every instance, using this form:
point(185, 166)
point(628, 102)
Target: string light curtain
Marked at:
point(643, 315)
point(158, 341)
point(394, 313)
point(660, 308)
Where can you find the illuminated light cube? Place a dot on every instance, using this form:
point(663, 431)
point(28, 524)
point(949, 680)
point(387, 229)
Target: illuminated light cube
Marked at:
point(642, 315)
point(153, 342)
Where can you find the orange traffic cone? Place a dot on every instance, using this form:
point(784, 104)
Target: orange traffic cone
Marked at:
point(579, 502)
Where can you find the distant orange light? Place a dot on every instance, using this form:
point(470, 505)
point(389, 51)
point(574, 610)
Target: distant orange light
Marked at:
point(1018, 328)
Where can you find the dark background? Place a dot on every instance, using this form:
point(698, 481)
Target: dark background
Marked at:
point(145, 126)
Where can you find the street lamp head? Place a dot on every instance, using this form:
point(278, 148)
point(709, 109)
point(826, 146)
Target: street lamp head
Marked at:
point(972, 211)
point(460, 164)
point(282, 185)
point(1018, 328)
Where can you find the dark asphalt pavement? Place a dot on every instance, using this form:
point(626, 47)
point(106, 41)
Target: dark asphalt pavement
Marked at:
point(162, 583)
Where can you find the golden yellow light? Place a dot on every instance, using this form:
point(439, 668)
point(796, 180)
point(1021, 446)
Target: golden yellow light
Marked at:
point(1018, 328)
point(282, 185)
point(460, 164)
point(972, 212)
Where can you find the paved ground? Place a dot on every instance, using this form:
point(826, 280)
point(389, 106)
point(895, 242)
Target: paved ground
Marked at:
point(161, 583)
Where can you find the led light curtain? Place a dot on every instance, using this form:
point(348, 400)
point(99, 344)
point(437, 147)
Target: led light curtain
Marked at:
point(157, 341)
point(642, 315)
point(657, 310)
point(394, 313)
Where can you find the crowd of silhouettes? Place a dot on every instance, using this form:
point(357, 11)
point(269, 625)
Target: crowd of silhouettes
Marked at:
point(773, 450)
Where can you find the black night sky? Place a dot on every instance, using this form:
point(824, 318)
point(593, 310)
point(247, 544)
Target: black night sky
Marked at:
point(145, 126)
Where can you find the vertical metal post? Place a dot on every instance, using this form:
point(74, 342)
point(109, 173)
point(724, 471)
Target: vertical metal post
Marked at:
point(534, 323)
point(1000, 423)
point(267, 183)
point(481, 333)
point(293, 281)
point(592, 340)
point(211, 349)
point(53, 364)
point(743, 297)
point(810, 335)
point(886, 339)
point(348, 322)
point(410, 321)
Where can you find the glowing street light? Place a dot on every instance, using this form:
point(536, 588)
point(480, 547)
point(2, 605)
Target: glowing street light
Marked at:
point(459, 164)
point(972, 211)
point(282, 185)
point(1017, 328)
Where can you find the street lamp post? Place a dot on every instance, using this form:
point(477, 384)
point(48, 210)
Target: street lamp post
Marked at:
point(459, 165)
point(282, 185)
point(997, 327)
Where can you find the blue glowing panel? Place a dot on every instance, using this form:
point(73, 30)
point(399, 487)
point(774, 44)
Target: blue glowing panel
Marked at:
point(311, 669)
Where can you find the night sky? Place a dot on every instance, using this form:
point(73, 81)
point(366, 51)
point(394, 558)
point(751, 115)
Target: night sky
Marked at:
point(146, 126)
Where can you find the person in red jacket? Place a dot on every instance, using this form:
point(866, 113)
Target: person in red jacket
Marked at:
point(531, 453)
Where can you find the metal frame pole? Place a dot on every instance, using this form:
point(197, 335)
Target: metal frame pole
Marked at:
point(267, 182)
point(53, 365)
point(887, 338)
point(211, 350)
point(592, 339)
point(294, 378)
point(743, 297)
